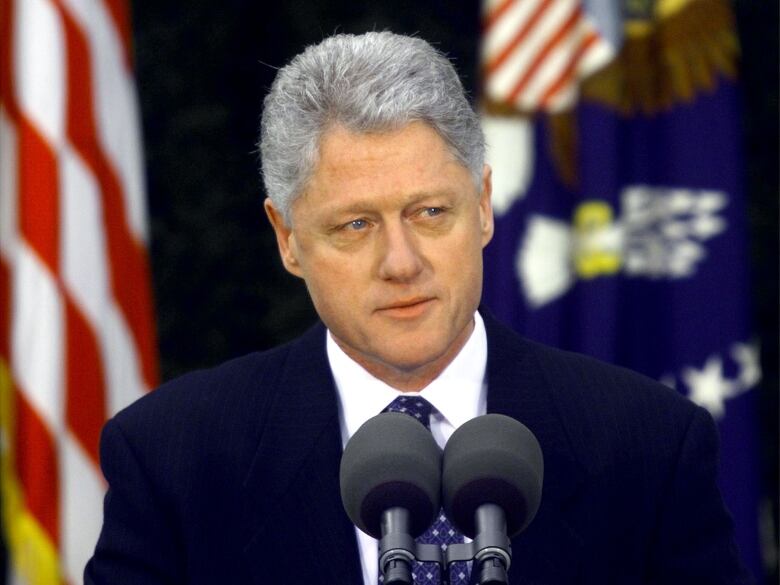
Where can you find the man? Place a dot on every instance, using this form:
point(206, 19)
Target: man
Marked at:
point(373, 163)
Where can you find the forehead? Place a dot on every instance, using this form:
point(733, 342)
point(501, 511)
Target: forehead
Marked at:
point(413, 158)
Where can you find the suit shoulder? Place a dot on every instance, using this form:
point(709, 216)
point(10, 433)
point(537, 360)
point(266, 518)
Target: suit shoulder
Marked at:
point(200, 387)
point(206, 423)
point(228, 391)
point(580, 379)
point(593, 379)
point(596, 400)
point(617, 410)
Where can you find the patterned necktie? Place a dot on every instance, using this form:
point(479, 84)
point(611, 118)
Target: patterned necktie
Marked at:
point(441, 532)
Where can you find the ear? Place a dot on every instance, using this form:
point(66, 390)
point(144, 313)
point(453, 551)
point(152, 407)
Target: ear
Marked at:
point(486, 206)
point(285, 239)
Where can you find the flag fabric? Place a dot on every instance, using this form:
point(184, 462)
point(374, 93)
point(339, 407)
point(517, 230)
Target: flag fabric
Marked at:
point(76, 333)
point(613, 132)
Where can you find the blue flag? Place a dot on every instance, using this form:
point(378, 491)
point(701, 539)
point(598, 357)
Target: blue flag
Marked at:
point(621, 230)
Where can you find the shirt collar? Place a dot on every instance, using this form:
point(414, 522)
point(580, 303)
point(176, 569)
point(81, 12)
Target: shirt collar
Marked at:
point(458, 393)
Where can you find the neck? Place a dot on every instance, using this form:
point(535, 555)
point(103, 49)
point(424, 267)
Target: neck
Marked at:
point(405, 381)
point(413, 378)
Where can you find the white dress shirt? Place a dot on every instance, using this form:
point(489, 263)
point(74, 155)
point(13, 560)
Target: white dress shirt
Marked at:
point(458, 394)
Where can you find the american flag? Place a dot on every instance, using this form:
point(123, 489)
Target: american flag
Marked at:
point(535, 52)
point(76, 333)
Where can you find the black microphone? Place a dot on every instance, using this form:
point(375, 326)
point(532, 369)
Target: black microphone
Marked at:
point(492, 487)
point(390, 486)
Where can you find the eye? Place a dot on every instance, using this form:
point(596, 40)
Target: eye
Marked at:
point(356, 225)
point(431, 212)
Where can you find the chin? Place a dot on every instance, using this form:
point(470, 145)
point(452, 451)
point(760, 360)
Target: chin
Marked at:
point(413, 356)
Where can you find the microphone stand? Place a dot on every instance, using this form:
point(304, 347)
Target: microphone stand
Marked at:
point(490, 549)
point(397, 548)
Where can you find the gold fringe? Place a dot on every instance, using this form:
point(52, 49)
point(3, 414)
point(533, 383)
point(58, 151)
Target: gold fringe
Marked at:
point(564, 146)
point(32, 554)
point(503, 109)
point(669, 59)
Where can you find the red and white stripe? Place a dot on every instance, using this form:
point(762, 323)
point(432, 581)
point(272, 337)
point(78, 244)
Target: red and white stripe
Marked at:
point(76, 330)
point(535, 52)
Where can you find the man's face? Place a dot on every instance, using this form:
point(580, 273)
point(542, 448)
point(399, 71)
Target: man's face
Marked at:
point(388, 236)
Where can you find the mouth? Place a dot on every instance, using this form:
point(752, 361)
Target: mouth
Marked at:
point(407, 308)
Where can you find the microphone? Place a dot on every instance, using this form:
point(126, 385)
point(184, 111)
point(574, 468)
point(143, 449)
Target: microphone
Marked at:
point(492, 487)
point(390, 479)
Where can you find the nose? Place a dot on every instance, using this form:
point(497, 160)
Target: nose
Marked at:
point(398, 254)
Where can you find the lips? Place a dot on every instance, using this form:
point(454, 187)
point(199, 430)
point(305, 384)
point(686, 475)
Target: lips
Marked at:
point(407, 308)
point(406, 303)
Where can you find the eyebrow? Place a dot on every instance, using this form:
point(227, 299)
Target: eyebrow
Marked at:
point(369, 203)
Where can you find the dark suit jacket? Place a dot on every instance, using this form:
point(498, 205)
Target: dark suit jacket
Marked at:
point(230, 475)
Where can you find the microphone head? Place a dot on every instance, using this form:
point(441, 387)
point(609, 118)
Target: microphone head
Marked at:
point(492, 459)
point(391, 461)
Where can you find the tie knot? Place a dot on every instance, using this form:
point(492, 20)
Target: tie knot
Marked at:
point(414, 406)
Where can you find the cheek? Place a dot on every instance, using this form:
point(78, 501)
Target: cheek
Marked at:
point(332, 282)
point(462, 255)
point(465, 271)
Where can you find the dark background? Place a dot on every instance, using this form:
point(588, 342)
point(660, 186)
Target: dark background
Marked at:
point(203, 68)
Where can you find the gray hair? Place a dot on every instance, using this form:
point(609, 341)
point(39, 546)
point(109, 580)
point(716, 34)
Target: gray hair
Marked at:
point(375, 82)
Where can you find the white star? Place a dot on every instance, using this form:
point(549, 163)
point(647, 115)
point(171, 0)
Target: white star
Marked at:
point(707, 226)
point(709, 387)
point(680, 201)
point(710, 202)
point(746, 355)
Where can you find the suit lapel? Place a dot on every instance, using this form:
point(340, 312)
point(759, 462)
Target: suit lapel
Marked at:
point(296, 527)
point(549, 550)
